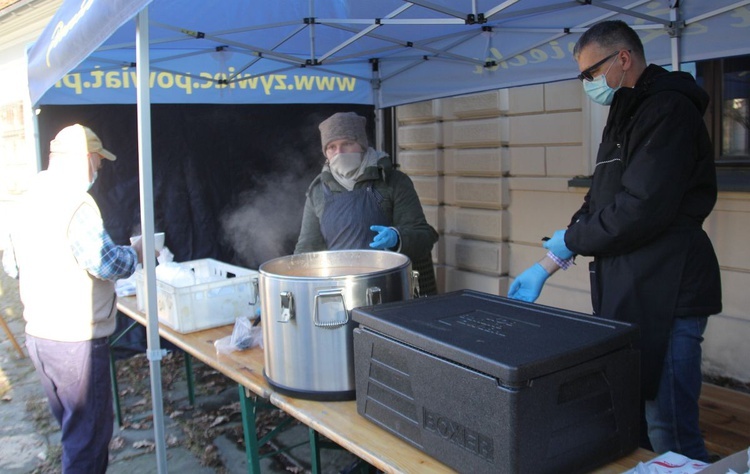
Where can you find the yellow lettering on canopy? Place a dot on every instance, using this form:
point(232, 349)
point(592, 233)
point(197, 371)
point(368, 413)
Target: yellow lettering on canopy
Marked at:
point(744, 16)
point(165, 80)
point(537, 55)
point(112, 79)
point(209, 80)
point(74, 82)
point(125, 78)
point(97, 75)
point(184, 83)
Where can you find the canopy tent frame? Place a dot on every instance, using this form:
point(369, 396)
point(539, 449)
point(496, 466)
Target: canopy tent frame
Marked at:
point(399, 53)
point(404, 58)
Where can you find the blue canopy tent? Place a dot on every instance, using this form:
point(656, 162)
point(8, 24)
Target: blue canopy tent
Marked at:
point(384, 53)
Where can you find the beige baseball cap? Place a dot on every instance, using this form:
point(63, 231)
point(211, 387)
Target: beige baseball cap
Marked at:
point(79, 139)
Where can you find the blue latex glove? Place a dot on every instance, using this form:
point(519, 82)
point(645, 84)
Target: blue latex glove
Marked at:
point(528, 285)
point(387, 238)
point(556, 245)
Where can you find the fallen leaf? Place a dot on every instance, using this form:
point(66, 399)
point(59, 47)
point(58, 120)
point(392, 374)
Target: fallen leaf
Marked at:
point(141, 426)
point(219, 420)
point(147, 444)
point(117, 443)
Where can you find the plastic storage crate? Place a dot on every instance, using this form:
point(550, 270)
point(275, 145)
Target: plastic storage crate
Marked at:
point(232, 292)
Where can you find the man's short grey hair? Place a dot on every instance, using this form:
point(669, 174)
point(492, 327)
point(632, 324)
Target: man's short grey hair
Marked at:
point(612, 34)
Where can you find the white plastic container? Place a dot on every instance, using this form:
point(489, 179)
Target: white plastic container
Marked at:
point(230, 292)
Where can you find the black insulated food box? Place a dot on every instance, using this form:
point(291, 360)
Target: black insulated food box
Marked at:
point(486, 384)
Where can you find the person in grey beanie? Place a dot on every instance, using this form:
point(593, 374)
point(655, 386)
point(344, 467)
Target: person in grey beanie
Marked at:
point(360, 201)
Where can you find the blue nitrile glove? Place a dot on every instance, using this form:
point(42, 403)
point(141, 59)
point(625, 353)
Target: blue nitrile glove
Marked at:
point(528, 285)
point(556, 245)
point(387, 238)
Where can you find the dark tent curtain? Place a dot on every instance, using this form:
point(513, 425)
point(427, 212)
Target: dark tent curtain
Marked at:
point(229, 180)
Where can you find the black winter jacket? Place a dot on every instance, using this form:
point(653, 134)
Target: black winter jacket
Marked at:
point(654, 184)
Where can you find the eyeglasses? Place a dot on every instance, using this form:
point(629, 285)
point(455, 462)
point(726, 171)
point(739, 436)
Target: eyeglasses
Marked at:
point(587, 75)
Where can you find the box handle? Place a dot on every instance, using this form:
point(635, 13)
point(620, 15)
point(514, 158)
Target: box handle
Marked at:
point(336, 292)
point(415, 283)
point(287, 306)
point(373, 296)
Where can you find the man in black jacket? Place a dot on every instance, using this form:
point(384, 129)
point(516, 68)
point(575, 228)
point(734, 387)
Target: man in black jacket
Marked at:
point(654, 184)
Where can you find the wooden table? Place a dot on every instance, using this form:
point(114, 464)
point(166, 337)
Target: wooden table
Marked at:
point(338, 421)
point(245, 367)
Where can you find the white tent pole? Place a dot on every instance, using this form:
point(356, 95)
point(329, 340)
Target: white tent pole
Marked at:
point(375, 84)
point(37, 148)
point(145, 166)
point(676, 34)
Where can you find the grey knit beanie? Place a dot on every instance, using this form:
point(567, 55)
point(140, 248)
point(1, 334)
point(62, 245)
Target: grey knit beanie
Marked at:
point(344, 125)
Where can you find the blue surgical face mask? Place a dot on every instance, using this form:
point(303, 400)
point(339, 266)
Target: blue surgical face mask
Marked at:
point(599, 91)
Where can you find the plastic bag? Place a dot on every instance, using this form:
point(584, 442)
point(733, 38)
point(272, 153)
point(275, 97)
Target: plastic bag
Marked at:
point(245, 335)
point(669, 463)
point(172, 272)
point(165, 256)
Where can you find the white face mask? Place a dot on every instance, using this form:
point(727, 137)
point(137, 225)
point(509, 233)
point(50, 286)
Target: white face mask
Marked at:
point(94, 175)
point(345, 164)
point(346, 168)
point(93, 179)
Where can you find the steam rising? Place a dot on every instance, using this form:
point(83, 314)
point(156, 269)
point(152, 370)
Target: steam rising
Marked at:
point(265, 222)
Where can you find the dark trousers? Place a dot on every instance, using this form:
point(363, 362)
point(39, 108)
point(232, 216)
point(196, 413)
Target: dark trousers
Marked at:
point(674, 415)
point(75, 377)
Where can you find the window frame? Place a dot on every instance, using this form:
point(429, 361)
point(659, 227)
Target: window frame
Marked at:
point(712, 72)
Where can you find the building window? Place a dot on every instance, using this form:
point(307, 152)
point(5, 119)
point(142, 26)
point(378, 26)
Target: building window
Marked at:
point(727, 81)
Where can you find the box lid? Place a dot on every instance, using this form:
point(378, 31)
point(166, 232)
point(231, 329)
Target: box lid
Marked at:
point(507, 339)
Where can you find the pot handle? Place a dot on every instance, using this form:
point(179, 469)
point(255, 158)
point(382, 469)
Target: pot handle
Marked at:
point(287, 306)
point(415, 283)
point(254, 282)
point(373, 296)
point(336, 292)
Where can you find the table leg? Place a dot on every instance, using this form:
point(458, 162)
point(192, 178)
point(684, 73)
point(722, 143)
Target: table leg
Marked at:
point(189, 378)
point(314, 451)
point(113, 373)
point(115, 389)
point(249, 410)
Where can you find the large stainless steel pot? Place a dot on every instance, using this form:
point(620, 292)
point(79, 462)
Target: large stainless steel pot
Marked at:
point(306, 300)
